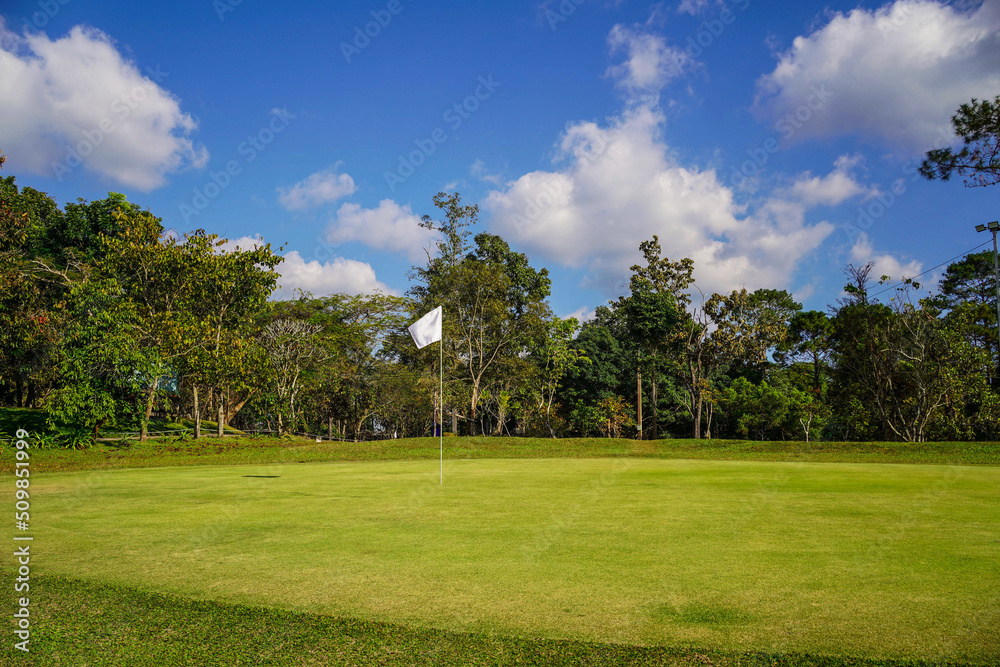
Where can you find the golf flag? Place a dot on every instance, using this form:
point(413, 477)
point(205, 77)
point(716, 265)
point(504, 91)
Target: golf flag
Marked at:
point(427, 329)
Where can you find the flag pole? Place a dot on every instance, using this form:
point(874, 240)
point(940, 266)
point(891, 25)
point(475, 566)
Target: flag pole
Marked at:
point(441, 405)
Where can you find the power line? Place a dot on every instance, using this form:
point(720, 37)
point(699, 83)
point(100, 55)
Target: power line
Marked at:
point(947, 261)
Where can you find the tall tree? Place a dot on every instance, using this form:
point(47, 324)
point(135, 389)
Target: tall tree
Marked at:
point(749, 325)
point(230, 292)
point(968, 294)
point(493, 301)
point(978, 125)
point(808, 342)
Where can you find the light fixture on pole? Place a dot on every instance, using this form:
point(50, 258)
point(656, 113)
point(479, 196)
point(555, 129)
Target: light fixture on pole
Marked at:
point(994, 227)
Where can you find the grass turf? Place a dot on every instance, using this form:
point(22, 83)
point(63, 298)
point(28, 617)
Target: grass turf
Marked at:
point(849, 560)
point(94, 625)
point(246, 451)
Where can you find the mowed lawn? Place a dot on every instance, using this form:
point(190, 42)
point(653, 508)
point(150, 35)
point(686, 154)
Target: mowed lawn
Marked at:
point(874, 560)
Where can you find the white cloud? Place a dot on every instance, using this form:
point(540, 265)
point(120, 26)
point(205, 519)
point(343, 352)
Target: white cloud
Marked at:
point(582, 314)
point(389, 227)
point(317, 189)
point(650, 63)
point(340, 275)
point(619, 186)
point(884, 264)
point(337, 276)
point(479, 170)
point(836, 187)
point(897, 73)
point(76, 100)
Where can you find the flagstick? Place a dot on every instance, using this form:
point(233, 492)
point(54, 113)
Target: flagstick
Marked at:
point(441, 406)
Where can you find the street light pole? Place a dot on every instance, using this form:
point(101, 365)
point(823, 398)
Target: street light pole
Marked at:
point(994, 227)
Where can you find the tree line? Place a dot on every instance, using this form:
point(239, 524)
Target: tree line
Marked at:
point(107, 323)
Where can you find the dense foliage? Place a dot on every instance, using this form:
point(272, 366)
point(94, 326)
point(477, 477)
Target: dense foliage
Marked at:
point(109, 324)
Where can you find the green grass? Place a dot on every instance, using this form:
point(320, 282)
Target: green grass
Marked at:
point(847, 560)
point(264, 451)
point(106, 626)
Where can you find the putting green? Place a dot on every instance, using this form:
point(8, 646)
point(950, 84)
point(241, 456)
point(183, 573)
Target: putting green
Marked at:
point(869, 560)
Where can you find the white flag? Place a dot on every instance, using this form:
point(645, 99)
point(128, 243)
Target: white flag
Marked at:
point(427, 329)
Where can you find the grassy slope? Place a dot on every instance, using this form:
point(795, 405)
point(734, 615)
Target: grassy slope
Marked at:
point(96, 625)
point(230, 451)
point(88, 623)
point(852, 559)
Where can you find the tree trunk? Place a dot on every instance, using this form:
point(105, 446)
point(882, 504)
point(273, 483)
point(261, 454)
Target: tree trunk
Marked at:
point(329, 428)
point(233, 408)
point(652, 400)
point(144, 428)
point(454, 421)
point(697, 417)
point(197, 413)
point(220, 414)
point(638, 402)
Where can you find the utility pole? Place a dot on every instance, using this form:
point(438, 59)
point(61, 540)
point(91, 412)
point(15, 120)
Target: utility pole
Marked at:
point(994, 227)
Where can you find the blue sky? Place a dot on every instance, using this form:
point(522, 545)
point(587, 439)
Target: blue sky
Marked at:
point(774, 143)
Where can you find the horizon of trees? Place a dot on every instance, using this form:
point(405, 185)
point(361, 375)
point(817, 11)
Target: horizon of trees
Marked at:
point(106, 323)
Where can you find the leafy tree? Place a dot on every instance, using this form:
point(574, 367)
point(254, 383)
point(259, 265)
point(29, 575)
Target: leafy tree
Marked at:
point(967, 294)
point(493, 301)
point(808, 342)
point(291, 348)
point(749, 325)
point(554, 358)
point(585, 385)
point(103, 366)
point(651, 318)
point(230, 291)
point(768, 410)
point(31, 321)
point(978, 124)
point(900, 371)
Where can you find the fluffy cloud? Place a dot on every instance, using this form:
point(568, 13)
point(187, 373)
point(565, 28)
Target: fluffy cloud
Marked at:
point(835, 188)
point(650, 63)
point(339, 275)
point(620, 186)
point(389, 227)
point(897, 73)
point(320, 188)
point(76, 100)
